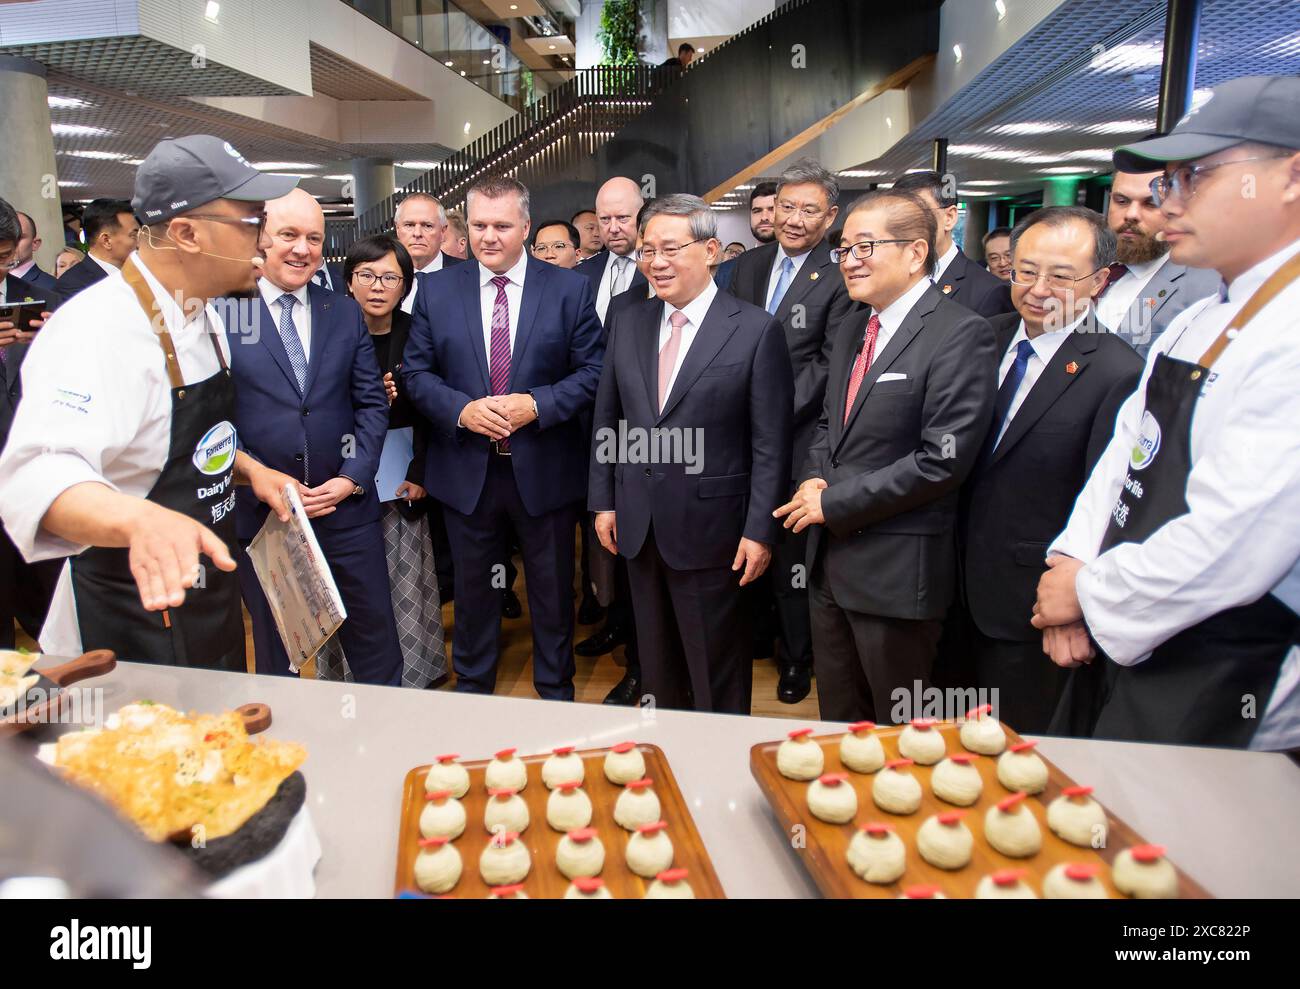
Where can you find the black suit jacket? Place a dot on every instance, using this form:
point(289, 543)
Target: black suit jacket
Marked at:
point(81, 275)
point(894, 468)
point(1019, 498)
point(594, 269)
point(975, 287)
point(732, 396)
point(41, 279)
point(11, 387)
point(810, 310)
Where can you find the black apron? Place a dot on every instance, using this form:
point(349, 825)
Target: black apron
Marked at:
point(197, 480)
point(1195, 688)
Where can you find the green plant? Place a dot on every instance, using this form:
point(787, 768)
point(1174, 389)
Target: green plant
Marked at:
point(617, 34)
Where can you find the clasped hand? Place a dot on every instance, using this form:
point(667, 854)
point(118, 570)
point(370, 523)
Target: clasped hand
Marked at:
point(497, 416)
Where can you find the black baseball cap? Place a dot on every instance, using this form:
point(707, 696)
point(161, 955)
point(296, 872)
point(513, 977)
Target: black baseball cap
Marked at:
point(183, 173)
point(1262, 109)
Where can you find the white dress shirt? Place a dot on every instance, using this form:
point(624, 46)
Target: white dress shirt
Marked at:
point(108, 266)
point(301, 311)
point(695, 311)
point(21, 270)
point(97, 406)
point(892, 316)
point(435, 265)
point(775, 275)
point(1113, 306)
point(945, 259)
point(1045, 347)
point(1240, 538)
point(613, 264)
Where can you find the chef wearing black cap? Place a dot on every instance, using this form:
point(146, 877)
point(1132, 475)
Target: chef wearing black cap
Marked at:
point(123, 455)
point(1181, 560)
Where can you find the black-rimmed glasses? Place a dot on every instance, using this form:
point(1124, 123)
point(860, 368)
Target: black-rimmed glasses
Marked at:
point(861, 250)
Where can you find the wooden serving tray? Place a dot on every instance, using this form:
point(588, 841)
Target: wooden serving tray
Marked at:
point(824, 854)
point(544, 880)
point(52, 681)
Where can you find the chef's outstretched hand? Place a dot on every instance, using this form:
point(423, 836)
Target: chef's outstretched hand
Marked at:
point(1058, 602)
point(164, 548)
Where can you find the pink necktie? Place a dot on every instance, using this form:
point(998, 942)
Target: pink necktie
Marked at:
point(862, 363)
point(668, 356)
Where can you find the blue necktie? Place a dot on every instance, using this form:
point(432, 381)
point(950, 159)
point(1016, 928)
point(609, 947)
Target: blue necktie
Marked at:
point(292, 343)
point(1007, 393)
point(782, 283)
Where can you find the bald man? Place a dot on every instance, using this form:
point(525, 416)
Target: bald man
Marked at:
point(613, 270)
point(309, 401)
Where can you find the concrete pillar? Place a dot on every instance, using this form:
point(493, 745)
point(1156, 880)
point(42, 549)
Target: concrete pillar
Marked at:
point(1060, 192)
point(28, 174)
point(372, 182)
point(977, 225)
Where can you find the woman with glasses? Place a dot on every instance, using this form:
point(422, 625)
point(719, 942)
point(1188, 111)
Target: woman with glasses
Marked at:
point(377, 273)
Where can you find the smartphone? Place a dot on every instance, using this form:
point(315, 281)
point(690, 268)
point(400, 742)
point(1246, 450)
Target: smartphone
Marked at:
point(23, 314)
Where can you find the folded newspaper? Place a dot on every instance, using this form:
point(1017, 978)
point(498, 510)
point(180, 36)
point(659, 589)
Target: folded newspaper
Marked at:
point(297, 582)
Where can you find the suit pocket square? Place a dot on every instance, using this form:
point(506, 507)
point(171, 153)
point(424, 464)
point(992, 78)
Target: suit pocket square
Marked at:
point(891, 376)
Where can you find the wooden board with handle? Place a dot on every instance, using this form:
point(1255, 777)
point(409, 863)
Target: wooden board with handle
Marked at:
point(822, 848)
point(544, 880)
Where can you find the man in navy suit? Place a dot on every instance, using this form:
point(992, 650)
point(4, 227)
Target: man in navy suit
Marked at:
point(309, 402)
point(25, 266)
point(690, 458)
point(613, 270)
point(503, 360)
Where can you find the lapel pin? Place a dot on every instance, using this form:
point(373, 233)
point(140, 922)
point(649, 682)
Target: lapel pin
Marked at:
point(947, 289)
point(815, 275)
point(1072, 367)
point(1161, 293)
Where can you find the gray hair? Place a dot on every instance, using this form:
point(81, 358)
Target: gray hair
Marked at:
point(704, 223)
point(496, 186)
point(1105, 242)
point(810, 170)
point(421, 197)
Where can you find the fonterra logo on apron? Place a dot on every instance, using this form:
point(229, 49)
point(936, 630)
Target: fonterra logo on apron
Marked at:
point(1148, 444)
point(216, 451)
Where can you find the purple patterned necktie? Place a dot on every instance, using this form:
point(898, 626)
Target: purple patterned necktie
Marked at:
point(499, 353)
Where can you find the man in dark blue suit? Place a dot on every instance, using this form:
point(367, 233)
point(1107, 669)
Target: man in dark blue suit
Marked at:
point(25, 266)
point(308, 401)
point(690, 458)
point(503, 360)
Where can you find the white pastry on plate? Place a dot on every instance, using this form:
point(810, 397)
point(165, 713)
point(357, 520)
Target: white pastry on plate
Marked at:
point(894, 790)
point(860, 748)
point(505, 861)
point(956, 780)
point(563, 765)
point(437, 866)
point(588, 888)
point(922, 742)
point(1011, 828)
point(624, 763)
point(1022, 770)
point(506, 771)
point(831, 798)
point(638, 804)
point(505, 811)
point(650, 850)
point(983, 733)
point(447, 774)
point(443, 816)
point(1143, 872)
point(670, 884)
point(800, 756)
point(1005, 884)
point(1077, 818)
point(944, 841)
point(568, 807)
point(876, 854)
point(1074, 881)
point(580, 853)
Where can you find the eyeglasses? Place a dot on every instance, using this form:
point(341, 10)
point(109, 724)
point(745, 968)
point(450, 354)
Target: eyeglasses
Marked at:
point(257, 220)
point(810, 213)
point(367, 278)
point(1181, 182)
point(411, 226)
point(648, 254)
point(559, 245)
point(997, 258)
point(1060, 283)
point(861, 250)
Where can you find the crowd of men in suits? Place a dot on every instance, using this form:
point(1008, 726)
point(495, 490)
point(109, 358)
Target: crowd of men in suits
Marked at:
point(869, 438)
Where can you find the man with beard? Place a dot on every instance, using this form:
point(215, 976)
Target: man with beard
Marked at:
point(762, 224)
point(1146, 289)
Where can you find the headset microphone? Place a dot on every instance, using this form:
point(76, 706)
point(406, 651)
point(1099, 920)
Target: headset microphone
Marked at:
point(256, 262)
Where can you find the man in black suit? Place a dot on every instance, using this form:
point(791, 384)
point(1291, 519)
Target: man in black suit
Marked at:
point(1062, 379)
point(762, 224)
point(111, 233)
point(956, 275)
point(908, 403)
point(690, 456)
point(795, 280)
point(25, 588)
point(25, 266)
